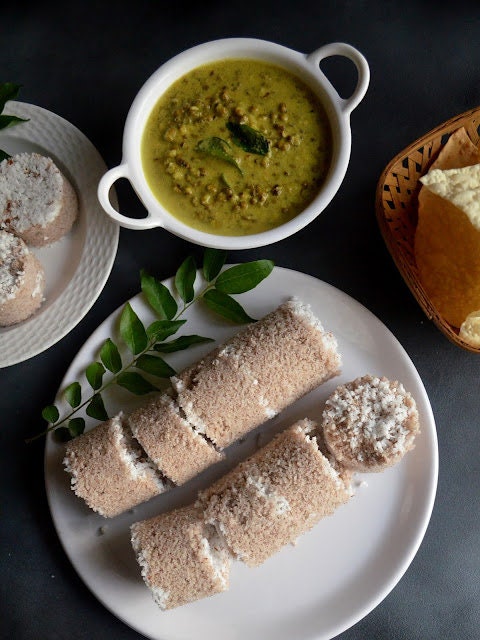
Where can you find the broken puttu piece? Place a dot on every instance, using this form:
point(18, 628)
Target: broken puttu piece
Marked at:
point(257, 373)
point(182, 558)
point(109, 469)
point(169, 440)
point(274, 496)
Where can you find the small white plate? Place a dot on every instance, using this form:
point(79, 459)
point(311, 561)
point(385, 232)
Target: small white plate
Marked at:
point(339, 571)
point(78, 265)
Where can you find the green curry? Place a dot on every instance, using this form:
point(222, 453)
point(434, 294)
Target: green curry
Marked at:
point(236, 147)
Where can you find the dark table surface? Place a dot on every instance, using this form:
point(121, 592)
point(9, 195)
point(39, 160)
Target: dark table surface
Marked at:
point(86, 61)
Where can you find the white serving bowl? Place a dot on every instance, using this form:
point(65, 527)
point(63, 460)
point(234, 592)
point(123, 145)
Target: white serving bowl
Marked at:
point(306, 67)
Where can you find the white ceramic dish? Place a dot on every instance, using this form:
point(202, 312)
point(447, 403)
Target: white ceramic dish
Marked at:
point(78, 265)
point(306, 67)
point(339, 571)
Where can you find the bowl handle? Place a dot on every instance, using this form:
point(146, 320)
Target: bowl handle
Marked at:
point(104, 186)
point(363, 71)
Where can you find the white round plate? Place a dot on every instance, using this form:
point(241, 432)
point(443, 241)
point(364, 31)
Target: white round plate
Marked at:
point(78, 265)
point(337, 572)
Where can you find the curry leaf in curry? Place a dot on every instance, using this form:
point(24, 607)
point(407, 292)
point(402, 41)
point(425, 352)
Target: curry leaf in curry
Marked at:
point(248, 139)
point(218, 148)
point(146, 343)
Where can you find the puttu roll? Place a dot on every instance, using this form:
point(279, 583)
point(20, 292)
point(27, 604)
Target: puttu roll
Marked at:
point(257, 373)
point(216, 401)
point(182, 558)
point(109, 469)
point(170, 441)
point(274, 496)
point(370, 423)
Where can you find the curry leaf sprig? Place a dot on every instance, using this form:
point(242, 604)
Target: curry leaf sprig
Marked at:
point(8, 91)
point(145, 344)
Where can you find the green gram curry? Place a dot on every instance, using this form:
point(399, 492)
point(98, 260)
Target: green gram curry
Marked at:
point(236, 147)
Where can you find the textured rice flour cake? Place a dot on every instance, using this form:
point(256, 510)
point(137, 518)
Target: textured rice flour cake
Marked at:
point(37, 202)
point(177, 450)
point(109, 470)
point(212, 403)
point(22, 280)
point(257, 373)
point(182, 559)
point(274, 496)
point(370, 423)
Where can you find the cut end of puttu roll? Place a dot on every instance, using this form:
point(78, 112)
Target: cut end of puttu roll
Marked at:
point(182, 559)
point(110, 471)
point(370, 423)
point(172, 444)
point(37, 202)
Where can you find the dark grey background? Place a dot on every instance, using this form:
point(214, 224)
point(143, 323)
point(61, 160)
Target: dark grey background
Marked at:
point(85, 62)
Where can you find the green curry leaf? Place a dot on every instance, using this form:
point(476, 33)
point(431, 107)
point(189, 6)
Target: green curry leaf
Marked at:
point(132, 330)
point(243, 277)
point(110, 356)
point(155, 365)
point(10, 121)
point(50, 413)
point(181, 343)
point(162, 329)
point(73, 394)
point(135, 383)
point(213, 261)
point(226, 306)
point(185, 279)
point(96, 408)
point(8, 91)
point(158, 296)
point(248, 139)
point(94, 374)
point(218, 148)
point(76, 426)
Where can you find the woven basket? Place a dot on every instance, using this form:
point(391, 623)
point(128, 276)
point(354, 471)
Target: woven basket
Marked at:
point(397, 202)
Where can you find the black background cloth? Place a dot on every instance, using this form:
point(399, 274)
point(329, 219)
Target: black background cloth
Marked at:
point(86, 61)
